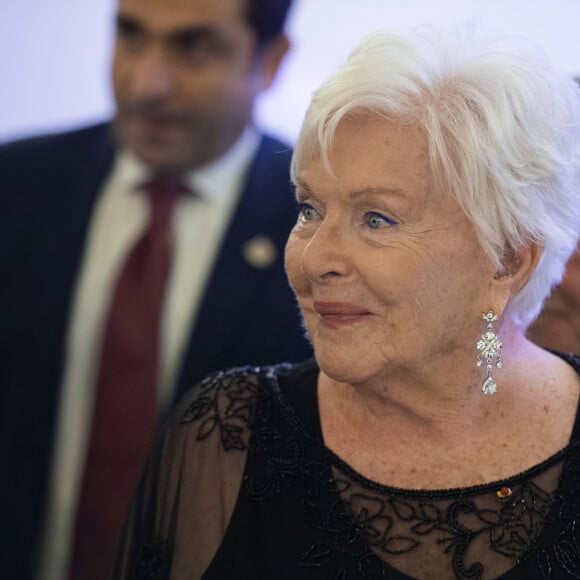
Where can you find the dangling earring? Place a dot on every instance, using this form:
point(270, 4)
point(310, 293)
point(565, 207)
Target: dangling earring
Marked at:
point(489, 347)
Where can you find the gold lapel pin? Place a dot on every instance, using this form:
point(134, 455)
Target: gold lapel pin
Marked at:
point(260, 252)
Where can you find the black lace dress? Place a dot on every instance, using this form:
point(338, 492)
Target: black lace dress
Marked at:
point(241, 486)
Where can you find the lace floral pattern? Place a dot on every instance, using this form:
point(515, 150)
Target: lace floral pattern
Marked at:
point(395, 526)
point(564, 550)
point(368, 529)
point(226, 402)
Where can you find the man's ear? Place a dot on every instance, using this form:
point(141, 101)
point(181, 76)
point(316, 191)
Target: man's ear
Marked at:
point(517, 267)
point(270, 58)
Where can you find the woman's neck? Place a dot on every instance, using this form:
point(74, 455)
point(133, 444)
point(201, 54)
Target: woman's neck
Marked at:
point(436, 421)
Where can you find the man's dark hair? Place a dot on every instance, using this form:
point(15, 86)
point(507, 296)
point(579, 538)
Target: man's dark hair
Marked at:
point(267, 18)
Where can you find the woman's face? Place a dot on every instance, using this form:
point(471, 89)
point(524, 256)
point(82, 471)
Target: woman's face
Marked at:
point(388, 272)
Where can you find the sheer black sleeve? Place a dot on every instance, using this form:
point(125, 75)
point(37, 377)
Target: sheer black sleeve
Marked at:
point(186, 496)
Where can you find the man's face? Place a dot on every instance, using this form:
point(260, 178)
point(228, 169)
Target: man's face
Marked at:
point(185, 75)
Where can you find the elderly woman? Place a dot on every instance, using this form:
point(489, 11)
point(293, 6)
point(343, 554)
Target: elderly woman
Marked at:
point(438, 204)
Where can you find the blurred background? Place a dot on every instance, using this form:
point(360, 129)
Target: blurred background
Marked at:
point(55, 53)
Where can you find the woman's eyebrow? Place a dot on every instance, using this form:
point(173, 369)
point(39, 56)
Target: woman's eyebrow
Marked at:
point(303, 185)
point(370, 191)
point(303, 188)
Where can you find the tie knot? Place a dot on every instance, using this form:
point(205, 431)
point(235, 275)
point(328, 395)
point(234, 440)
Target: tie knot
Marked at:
point(162, 195)
point(170, 188)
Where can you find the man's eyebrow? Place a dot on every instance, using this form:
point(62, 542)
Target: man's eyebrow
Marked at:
point(182, 34)
point(124, 21)
point(193, 33)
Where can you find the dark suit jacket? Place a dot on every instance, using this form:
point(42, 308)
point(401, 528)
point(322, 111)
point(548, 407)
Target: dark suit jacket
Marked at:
point(48, 188)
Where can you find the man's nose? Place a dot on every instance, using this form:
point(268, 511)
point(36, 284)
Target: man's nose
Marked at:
point(153, 75)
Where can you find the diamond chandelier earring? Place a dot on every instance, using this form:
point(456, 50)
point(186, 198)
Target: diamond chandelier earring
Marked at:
point(489, 347)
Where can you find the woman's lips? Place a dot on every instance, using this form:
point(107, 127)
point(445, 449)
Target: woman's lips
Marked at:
point(335, 314)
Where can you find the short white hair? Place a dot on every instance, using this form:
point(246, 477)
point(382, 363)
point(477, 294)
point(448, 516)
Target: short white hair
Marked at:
point(502, 125)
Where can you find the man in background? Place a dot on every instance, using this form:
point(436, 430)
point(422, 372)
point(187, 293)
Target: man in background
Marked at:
point(558, 325)
point(137, 256)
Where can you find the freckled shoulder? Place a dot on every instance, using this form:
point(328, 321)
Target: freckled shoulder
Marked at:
point(554, 396)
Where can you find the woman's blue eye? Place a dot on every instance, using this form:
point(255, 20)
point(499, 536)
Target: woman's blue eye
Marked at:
point(306, 212)
point(377, 220)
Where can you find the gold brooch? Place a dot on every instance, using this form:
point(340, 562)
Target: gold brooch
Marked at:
point(504, 493)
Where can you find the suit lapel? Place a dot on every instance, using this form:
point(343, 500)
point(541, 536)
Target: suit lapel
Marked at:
point(258, 225)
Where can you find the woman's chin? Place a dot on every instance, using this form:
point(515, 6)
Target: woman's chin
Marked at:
point(343, 369)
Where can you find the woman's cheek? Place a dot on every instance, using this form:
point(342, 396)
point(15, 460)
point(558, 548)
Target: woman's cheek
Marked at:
point(293, 257)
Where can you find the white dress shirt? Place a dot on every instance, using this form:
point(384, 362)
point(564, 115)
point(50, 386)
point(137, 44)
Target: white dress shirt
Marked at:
point(200, 221)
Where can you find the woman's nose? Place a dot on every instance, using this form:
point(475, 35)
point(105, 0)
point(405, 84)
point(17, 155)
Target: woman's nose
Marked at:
point(325, 256)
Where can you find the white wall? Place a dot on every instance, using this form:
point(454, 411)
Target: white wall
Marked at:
point(54, 54)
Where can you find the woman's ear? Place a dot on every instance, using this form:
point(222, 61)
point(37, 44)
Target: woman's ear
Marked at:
point(517, 267)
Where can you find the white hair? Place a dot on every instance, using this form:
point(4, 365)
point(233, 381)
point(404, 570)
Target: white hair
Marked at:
point(502, 126)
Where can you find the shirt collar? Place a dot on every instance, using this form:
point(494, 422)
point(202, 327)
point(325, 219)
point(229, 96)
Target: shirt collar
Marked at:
point(213, 182)
point(226, 174)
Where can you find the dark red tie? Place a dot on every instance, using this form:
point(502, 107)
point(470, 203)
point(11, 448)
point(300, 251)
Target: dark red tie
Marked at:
point(125, 408)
